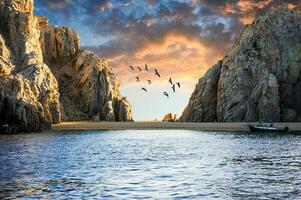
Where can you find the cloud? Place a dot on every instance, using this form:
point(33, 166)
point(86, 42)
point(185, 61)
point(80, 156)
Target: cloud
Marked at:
point(180, 38)
point(248, 10)
point(244, 10)
point(57, 5)
point(152, 2)
point(96, 6)
point(176, 10)
point(178, 56)
point(173, 38)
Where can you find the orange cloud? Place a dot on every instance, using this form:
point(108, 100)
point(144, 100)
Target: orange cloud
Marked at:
point(248, 9)
point(228, 9)
point(291, 5)
point(294, 6)
point(184, 59)
point(251, 5)
point(247, 19)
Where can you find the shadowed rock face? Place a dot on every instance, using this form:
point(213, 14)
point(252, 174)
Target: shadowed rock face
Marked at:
point(259, 79)
point(202, 104)
point(39, 87)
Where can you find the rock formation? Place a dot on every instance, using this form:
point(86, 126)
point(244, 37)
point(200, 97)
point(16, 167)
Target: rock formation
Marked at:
point(258, 79)
point(169, 117)
point(29, 91)
point(87, 84)
point(39, 85)
point(202, 104)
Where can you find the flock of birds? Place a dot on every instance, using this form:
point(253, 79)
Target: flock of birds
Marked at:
point(170, 81)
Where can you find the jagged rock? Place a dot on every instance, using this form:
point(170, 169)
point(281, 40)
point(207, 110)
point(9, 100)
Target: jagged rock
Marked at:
point(123, 109)
point(169, 117)
point(33, 94)
point(6, 67)
point(202, 104)
point(43, 21)
point(96, 118)
point(87, 84)
point(289, 115)
point(260, 75)
point(18, 106)
point(21, 57)
point(60, 45)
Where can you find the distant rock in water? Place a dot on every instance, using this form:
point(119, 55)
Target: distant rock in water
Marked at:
point(258, 79)
point(45, 77)
point(169, 117)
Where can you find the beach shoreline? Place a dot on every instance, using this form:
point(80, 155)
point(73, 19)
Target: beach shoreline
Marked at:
point(227, 127)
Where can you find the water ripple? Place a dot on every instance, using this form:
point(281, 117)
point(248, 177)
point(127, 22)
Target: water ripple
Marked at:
point(150, 165)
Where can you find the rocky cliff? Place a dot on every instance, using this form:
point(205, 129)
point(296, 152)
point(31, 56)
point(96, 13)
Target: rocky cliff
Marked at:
point(258, 79)
point(45, 77)
point(88, 86)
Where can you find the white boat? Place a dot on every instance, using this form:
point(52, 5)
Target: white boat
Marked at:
point(266, 127)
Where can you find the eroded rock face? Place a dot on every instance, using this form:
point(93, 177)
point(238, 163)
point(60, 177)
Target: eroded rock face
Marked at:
point(39, 85)
point(202, 104)
point(21, 62)
point(19, 107)
point(169, 117)
point(87, 84)
point(6, 67)
point(259, 77)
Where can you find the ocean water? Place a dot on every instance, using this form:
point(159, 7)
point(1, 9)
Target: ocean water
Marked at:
point(150, 164)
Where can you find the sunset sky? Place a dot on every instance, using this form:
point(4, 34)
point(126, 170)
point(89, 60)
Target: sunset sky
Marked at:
point(182, 39)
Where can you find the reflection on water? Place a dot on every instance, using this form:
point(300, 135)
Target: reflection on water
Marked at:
point(150, 164)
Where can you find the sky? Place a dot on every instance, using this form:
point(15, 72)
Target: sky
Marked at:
point(182, 39)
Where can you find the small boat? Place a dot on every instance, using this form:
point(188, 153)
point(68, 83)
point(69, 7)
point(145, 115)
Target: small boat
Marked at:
point(266, 127)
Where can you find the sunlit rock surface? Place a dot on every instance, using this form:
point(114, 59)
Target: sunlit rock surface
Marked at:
point(29, 90)
point(88, 86)
point(40, 86)
point(258, 79)
point(169, 117)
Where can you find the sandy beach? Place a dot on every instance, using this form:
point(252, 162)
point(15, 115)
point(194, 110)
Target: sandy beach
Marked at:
point(87, 126)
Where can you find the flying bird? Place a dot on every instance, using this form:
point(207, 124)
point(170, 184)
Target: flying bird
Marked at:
point(144, 89)
point(179, 85)
point(149, 82)
point(174, 88)
point(131, 67)
point(166, 94)
point(170, 81)
point(137, 79)
point(139, 69)
point(157, 73)
point(146, 67)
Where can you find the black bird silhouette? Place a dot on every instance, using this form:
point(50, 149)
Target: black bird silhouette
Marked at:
point(179, 85)
point(139, 69)
point(174, 88)
point(157, 73)
point(149, 82)
point(170, 81)
point(137, 79)
point(131, 67)
point(146, 67)
point(166, 94)
point(144, 89)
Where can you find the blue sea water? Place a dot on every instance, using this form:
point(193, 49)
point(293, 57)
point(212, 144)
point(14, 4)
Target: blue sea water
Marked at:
point(150, 164)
